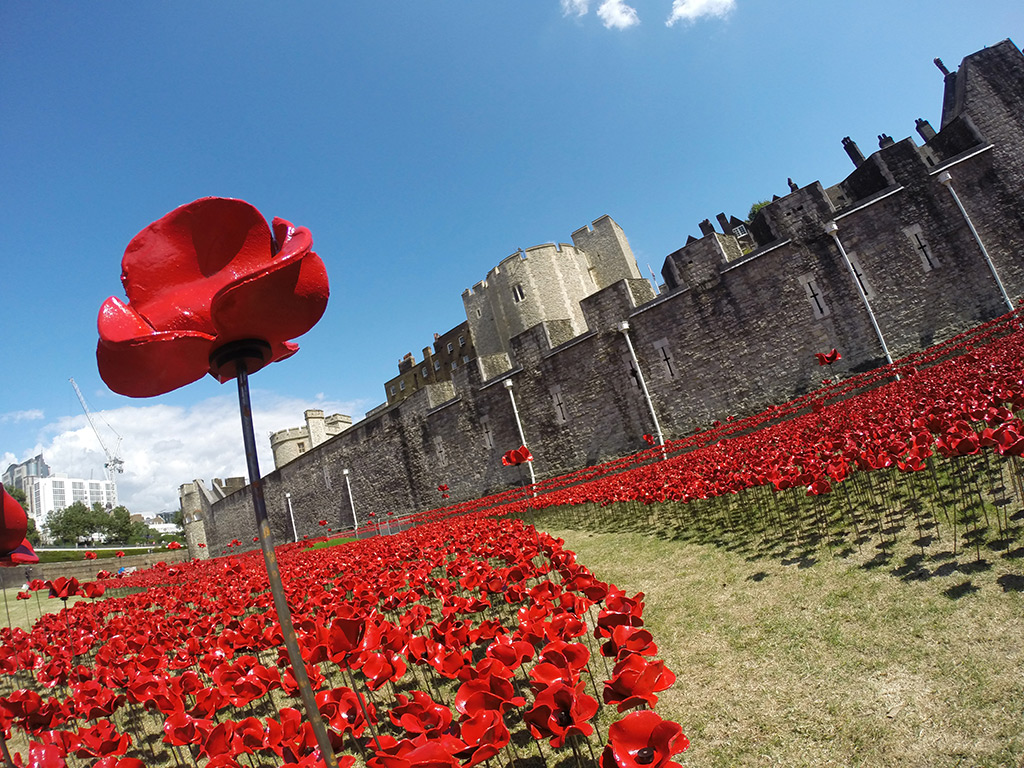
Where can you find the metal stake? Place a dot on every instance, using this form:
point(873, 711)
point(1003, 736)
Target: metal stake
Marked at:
point(274, 573)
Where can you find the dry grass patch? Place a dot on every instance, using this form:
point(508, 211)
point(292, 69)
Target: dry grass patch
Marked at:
point(825, 664)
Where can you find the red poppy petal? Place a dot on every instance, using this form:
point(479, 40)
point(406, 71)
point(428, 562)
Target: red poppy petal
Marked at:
point(208, 242)
point(154, 364)
point(280, 301)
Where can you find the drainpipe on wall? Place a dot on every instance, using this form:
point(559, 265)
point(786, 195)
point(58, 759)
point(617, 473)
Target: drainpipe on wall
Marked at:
point(833, 229)
point(351, 504)
point(947, 181)
point(623, 328)
point(519, 425)
point(291, 514)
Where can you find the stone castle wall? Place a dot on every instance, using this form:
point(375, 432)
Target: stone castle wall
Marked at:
point(731, 334)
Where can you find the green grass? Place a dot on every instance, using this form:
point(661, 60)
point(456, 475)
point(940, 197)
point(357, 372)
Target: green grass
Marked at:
point(50, 556)
point(330, 543)
point(842, 631)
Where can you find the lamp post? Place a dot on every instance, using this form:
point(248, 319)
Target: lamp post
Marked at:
point(519, 426)
point(623, 328)
point(947, 181)
point(833, 229)
point(351, 504)
point(291, 514)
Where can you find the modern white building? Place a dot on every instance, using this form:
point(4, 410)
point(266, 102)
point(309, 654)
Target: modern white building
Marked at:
point(53, 493)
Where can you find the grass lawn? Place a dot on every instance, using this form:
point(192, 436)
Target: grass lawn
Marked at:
point(25, 613)
point(831, 660)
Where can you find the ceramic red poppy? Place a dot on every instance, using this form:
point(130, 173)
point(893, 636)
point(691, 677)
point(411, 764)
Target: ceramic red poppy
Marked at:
point(643, 740)
point(14, 547)
point(205, 275)
point(517, 456)
point(827, 358)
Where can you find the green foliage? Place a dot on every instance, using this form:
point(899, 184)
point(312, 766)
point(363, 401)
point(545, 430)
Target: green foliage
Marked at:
point(32, 534)
point(119, 526)
point(756, 207)
point(76, 522)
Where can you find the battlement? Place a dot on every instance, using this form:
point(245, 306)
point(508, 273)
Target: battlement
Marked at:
point(283, 435)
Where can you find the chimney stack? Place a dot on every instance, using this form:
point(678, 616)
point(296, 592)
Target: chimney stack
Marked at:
point(925, 129)
point(941, 66)
point(706, 228)
point(885, 140)
point(853, 151)
point(723, 222)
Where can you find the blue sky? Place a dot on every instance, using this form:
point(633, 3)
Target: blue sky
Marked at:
point(421, 143)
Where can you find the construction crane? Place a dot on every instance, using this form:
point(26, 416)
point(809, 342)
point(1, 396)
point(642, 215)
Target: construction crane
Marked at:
point(114, 463)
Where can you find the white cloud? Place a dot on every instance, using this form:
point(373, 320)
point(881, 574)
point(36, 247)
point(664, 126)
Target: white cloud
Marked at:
point(617, 15)
point(691, 10)
point(14, 417)
point(575, 7)
point(164, 446)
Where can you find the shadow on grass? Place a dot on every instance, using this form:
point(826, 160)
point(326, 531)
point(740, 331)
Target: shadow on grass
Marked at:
point(1011, 582)
point(960, 590)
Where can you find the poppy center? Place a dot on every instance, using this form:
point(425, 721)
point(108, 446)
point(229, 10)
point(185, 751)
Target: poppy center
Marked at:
point(645, 756)
point(563, 718)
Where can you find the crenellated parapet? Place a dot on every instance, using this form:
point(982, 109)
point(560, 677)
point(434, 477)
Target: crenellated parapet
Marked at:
point(542, 284)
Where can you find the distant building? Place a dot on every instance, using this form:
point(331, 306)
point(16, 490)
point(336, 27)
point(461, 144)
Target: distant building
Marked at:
point(16, 474)
point(452, 350)
point(47, 495)
point(289, 444)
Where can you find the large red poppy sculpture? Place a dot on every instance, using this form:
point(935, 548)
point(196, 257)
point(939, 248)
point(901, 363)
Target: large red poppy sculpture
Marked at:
point(213, 289)
point(14, 547)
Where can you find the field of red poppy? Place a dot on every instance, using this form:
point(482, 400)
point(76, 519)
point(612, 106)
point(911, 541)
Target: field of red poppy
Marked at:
point(812, 566)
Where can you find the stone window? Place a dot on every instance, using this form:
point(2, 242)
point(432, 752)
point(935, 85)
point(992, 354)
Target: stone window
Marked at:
point(451, 348)
point(462, 341)
point(633, 373)
point(301, 446)
point(517, 293)
point(455, 364)
point(465, 358)
point(739, 230)
point(392, 390)
point(921, 247)
point(437, 365)
point(561, 414)
point(401, 385)
point(862, 278)
point(485, 428)
point(439, 450)
point(664, 357)
point(814, 296)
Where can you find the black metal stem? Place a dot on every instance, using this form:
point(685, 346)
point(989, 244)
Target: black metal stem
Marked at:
point(284, 616)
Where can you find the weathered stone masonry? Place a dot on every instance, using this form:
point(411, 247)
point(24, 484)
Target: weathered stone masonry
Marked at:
point(730, 332)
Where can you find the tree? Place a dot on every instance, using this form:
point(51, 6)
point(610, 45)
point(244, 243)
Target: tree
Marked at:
point(142, 533)
point(756, 207)
point(69, 525)
point(32, 534)
point(119, 526)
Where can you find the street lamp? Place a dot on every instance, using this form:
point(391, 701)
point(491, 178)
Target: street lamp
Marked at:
point(351, 504)
point(519, 426)
point(833, 229)
point(623, 328)
point(947, 181)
